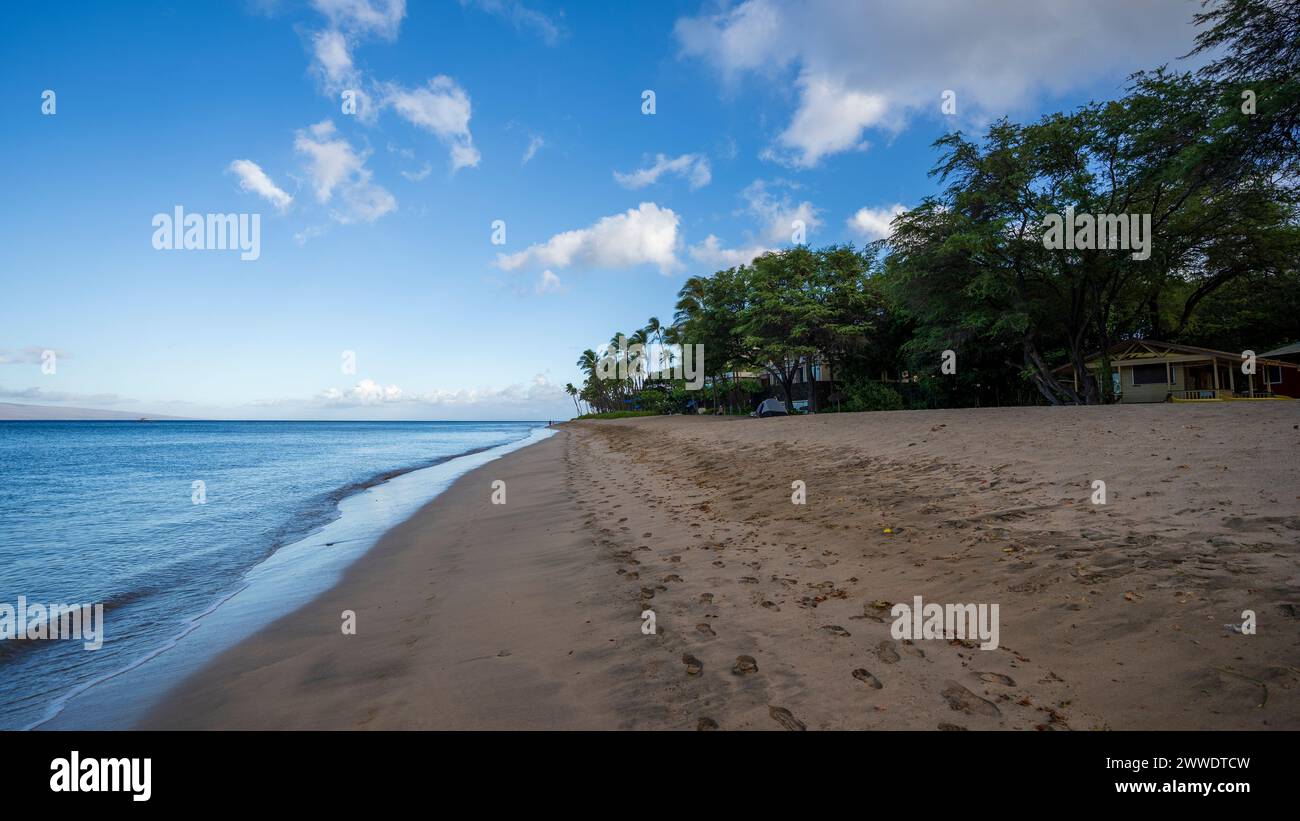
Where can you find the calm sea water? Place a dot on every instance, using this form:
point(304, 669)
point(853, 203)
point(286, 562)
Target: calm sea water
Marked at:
point(104, 512)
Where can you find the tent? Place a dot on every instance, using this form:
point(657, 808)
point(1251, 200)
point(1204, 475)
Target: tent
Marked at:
point(770, 407)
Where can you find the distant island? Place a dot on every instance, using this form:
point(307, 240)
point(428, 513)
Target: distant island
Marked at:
point(12, 411)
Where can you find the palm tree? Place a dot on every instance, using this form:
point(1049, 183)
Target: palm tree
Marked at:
point(573, 393)
point(638, 337)
point(653, 330)
point(671, 336)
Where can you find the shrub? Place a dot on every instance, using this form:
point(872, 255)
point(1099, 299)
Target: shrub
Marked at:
point(867, 395)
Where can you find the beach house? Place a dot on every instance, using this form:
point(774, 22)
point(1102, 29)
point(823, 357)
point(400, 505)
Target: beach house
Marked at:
point(1288, 383)
point(1144, 370)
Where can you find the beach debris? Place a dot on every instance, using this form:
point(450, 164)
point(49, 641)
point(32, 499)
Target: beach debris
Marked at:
point(964, 701)
point(889, 531)
point(785, 718)
point(745, 665)
point(693, 665)
point(866, 678)
point(706, 723)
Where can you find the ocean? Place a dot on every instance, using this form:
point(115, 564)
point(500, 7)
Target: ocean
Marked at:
point(192, 535)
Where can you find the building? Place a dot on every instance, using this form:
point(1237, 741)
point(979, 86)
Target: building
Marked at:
point(1144, 370)
point(1289, 378)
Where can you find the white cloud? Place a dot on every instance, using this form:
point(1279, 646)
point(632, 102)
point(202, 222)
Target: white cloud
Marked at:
point(365, 392)
point(693, 167)
point(333, 164)
point(331, 160)
point(379, 17)
point(521, 17)
point(830, 119)
point(549, 284)
point(333, 56)
point(747, 37)
point(534, 143)
point(710, 252)
point(873, 223)
point(369, 393)
point(441, 108)
point(332, 64)
point(416, 176)
point(253, 179)
point(646, 234)
point(860, 66)
point(776, 216)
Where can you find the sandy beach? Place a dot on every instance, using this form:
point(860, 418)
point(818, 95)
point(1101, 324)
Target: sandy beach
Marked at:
point(772, 615)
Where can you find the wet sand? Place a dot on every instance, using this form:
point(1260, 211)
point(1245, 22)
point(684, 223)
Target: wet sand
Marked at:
point(772, 615)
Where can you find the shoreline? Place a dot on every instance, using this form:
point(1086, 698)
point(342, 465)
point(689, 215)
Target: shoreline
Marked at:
point(776, 616)
point(309, 563)
point(324, 679)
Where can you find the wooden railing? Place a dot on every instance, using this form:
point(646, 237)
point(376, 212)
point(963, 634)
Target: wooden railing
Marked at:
point(1256, 395)
point(1223, 393)
point(1206, 393)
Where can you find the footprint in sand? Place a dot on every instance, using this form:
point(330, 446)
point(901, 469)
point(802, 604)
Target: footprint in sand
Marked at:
point(950, 728)
point(705, 629)
point(887, 652)
point(706, 723)
point(836, 630)
point(868, 679)
point(785, 718)
point(964, 701)
point(693, 665)
point(745, 665)
point(706, 598)
point(997, 678)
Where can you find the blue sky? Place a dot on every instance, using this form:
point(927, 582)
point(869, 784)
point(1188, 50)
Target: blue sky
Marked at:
point(376, 226)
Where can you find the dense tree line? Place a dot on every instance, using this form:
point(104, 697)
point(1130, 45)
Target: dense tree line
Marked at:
point(1209, 160)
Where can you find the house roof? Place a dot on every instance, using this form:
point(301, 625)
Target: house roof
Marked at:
point(1285, 350)
point(1157, 348)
